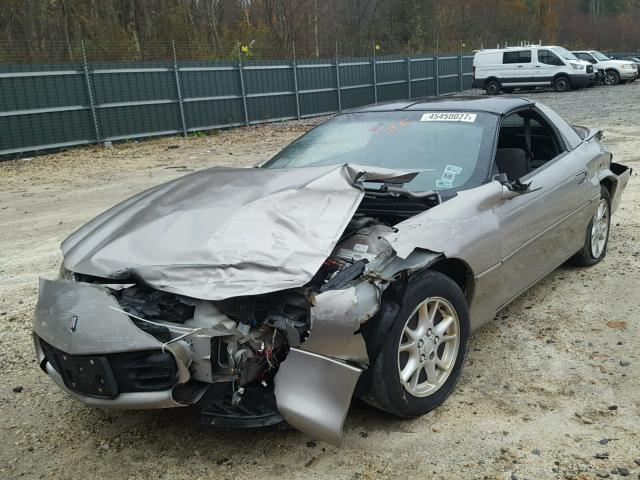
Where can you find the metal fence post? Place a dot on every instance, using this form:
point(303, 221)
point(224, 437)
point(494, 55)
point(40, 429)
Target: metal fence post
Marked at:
point(409, 69)
point(176, 73)
point(92, 104)
point(375, 82)
point(244, 94)
point(461, 82)
point(338, 79)
point(437, 74)
point(295, 81)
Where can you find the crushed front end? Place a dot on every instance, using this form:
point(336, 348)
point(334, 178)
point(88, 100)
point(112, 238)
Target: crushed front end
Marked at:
point(249, 356)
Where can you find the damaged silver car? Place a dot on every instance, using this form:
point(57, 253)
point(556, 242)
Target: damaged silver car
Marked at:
point(353, 263)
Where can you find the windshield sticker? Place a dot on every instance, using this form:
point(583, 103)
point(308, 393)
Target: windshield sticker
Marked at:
point(449, 117)
point(444, 183)
point(449, 175)
point(452, 169)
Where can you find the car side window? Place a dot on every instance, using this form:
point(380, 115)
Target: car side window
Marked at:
point(524, 56)
point(587, 57)
point(515, 155)
point(549, 58)
point(518, 56)
point(510, 57)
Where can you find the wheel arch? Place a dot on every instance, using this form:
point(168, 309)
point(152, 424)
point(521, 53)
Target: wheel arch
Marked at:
point(457, 270)
point(561, 74)
point(610, 182)
point(489, 79)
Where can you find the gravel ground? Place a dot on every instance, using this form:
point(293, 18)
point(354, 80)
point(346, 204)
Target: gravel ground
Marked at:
point(550, 389)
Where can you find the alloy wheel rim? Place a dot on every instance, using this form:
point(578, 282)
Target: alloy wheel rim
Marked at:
point(562, 85)
point(428, 346)
point(599, 229)
point(609, 79)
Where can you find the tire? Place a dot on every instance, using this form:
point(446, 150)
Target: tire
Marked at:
point(595, 247)
point(492, 87)
point(562, 84)
point(427, 292)
point(508, 89)
point(611, 77)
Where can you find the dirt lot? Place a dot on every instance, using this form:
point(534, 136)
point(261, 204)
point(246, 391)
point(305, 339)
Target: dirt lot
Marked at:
point(550, 389)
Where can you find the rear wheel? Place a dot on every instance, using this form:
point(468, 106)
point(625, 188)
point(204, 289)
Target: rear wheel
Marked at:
point(562, 84)
point(422, 354)
point(611, 77)
point(492, 87)
point(597, 235)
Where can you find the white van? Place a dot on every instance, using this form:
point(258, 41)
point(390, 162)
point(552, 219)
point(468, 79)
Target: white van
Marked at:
point(530, 66)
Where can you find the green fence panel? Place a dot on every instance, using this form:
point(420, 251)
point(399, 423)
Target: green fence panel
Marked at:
point(49, 106)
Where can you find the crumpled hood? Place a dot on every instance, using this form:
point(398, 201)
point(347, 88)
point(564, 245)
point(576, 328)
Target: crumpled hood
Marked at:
point(225, 232)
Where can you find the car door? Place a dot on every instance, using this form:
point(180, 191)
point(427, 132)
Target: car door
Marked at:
point(524, 67)
point(517, 67)
point(541, 229)
point(546, 66)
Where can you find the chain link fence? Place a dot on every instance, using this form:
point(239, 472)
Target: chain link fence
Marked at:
point(97, 96)
point(101, 96)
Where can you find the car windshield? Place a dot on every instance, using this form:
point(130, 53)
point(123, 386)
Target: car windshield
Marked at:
point(451, 150)
point(564, 53)
point(599, 56)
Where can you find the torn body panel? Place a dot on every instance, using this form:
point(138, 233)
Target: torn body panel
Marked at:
point(314, 393)
point(195, 235)
point(618, 176)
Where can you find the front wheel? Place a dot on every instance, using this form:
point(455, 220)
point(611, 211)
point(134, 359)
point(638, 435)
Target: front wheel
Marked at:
point(611, 77)
point(492, 87)
point(422, 355)
point(562, 84)
point(597, 235)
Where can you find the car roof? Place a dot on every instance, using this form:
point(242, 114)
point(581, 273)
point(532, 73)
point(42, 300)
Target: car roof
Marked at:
point(476, 103)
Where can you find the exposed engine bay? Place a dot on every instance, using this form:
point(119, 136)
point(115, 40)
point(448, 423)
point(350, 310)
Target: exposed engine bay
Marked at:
point(248, 337)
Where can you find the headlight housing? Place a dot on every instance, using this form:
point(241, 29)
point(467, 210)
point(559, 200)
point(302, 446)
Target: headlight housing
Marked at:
point(625, 66)
point(577, 66)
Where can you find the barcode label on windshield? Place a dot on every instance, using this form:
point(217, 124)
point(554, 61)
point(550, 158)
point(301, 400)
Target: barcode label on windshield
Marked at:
point(448, 117)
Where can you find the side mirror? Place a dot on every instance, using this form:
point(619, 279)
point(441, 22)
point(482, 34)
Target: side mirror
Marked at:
point(508, 193)
point(514, 188)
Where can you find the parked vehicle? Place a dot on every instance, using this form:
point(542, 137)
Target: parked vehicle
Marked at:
point(354, 262)
point(616, 71)
point(635, 60)
point(531, 66)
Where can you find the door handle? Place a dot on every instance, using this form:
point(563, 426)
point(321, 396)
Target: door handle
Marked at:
point(537, 66)
point(520, 66)
point(581, 177)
